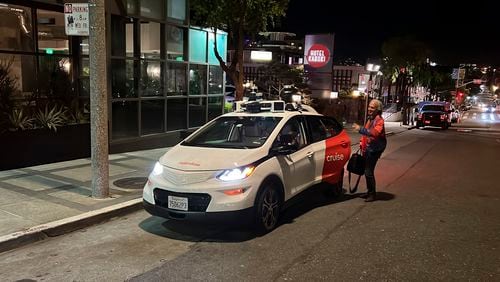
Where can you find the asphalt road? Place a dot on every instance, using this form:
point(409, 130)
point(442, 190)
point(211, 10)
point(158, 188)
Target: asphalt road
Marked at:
point(437, 218)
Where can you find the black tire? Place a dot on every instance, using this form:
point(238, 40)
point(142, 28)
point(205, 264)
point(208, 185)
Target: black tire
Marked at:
point(267, 208)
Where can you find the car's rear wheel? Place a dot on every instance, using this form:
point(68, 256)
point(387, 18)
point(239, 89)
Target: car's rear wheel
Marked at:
point(267, 208)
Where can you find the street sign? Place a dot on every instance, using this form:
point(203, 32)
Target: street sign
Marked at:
point(458, 74)
point(76, 19)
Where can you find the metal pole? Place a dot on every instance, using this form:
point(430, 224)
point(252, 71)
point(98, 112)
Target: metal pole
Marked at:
point(367, 96)
point(98, 100)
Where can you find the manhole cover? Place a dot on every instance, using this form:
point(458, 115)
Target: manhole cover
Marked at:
point(131, 182)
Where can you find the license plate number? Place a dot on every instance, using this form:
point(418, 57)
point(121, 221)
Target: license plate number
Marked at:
point(177, 203)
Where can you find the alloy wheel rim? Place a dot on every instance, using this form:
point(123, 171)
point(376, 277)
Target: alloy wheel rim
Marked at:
point(270, 209)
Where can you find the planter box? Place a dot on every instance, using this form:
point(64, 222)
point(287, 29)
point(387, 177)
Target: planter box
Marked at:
point(41, 146)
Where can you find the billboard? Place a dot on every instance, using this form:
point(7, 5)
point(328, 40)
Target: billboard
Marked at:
point(318, 52)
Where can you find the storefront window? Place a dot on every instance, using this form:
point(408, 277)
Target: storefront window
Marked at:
point(175, 42)
point(152, 9)
point(197, 46)
point(122, 79)
point(150, 40)
point(16, 30)
point(215, 79)
point(153, 116)
point(214, 107)
point(52, 38)
point(176, 114)
point(198, 80)
point(122, 33)
point(150, 82)
point(176, 79)
point(84, 46)
point(125, 122)
point(221, 47)
point(54, 76)
point(197, 111)
point(176, 9)
point(131, 6)
point(18, 75)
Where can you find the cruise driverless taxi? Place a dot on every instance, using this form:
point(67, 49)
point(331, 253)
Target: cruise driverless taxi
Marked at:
point(247, 164)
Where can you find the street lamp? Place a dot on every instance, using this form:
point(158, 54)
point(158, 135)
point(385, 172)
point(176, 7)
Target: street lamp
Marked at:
point(373, 68)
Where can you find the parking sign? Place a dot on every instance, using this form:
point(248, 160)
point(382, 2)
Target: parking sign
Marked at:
point(76, 19)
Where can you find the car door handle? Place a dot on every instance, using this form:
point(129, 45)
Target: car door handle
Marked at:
point(343, 144)
point(310, 154)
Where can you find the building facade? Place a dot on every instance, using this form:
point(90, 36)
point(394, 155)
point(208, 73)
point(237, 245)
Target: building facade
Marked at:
point(163, 76)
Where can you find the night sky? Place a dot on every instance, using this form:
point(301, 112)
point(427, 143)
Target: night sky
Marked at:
point(457, 32)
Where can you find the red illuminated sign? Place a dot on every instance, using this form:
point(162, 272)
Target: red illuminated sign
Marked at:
point(318, 55)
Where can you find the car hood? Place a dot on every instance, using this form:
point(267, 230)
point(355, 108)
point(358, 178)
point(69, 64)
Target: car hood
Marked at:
point(201, 158)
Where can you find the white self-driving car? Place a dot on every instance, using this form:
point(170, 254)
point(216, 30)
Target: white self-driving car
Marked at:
point(245, 165)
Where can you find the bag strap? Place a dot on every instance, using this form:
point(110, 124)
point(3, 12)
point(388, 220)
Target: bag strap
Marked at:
point(355, 188)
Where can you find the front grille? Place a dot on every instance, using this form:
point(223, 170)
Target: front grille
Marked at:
point(197, 202)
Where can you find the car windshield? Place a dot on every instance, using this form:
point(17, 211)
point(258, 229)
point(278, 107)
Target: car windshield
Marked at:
point(437, 108)
point(235, 132)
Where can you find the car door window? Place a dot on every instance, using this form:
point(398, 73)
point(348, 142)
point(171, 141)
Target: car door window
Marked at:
point(293, 133)
point(332, 127)
point(317, 128)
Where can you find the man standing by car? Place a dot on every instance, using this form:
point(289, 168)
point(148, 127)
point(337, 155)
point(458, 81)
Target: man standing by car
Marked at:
point(372, 143)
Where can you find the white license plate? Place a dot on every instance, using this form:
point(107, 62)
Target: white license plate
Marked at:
point(177, 203)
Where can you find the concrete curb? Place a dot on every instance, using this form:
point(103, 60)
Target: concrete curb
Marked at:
point(66, 225)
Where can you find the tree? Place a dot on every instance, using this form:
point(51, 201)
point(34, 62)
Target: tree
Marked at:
point(405, 63)
point(275, 75)
point(239, 18)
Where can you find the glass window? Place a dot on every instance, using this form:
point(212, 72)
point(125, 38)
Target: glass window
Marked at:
point(54, 76)
point(214, 107)
point(153, 116)
point(150, 82)
point(176, 114)
point(318, 130)
point(52, 38)
point(85, 67)
point(197, 111)
point(150, 40)
point(122, 33)
point(18, 76)
point(175, 42)
point(85, 87)
point(16, 30)
point(293, 134)
point(332, 127)
point(221, 47)
point(197, 46)
point(176, 9)
point(124, 120)
point(215, 78)
point(152, 9)
point(197, 80)
point(176, 79)
point(234, 132)
point(84, 46)
point(131, 6)
point(122, 79)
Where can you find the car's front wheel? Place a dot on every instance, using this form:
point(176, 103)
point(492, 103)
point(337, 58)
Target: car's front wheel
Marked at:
point(267, 208)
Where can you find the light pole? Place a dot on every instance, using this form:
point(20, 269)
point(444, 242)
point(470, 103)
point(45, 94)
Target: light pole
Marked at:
point(372, 68)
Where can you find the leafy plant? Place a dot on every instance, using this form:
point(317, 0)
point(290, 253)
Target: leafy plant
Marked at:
point(19, 120)
point(51, 118)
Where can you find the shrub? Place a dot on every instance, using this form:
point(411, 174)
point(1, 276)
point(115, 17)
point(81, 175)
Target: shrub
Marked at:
point(51, 118)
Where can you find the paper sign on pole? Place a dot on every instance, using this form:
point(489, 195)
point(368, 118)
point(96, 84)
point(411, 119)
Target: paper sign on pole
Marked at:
point(76, 19)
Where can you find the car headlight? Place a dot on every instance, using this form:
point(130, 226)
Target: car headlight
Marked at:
point(158, 169)
point(236, 173)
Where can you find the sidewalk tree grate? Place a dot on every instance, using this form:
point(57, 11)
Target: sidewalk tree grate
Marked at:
point(131, 182)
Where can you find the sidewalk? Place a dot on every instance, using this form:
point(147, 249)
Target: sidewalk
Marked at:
point(49, 200)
